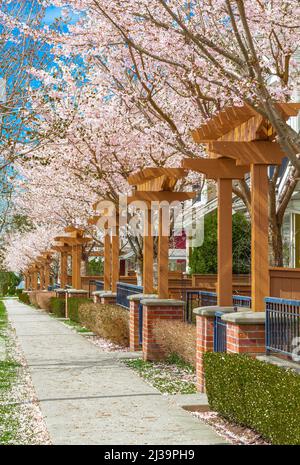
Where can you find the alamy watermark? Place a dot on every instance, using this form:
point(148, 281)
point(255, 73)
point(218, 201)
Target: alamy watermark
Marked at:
point(143, 218)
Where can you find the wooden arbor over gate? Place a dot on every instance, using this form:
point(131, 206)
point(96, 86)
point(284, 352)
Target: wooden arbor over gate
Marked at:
point(156, 185)
point(239, 137)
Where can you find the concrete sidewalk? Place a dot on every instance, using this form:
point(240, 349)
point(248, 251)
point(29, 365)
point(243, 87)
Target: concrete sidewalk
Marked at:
point(89, 397)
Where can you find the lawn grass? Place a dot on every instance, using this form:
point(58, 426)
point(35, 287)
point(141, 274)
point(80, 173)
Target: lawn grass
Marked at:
point(171, 376)
point(9, 370)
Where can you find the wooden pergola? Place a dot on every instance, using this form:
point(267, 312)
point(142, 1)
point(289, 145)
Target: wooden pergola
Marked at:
point(33, 272)
point(111, 251)
point(156, 185)
point(43, 263)
point(243, 140)
point(71, 245)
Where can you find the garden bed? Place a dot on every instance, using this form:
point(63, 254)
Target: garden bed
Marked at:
point(172, 376)
point(233, 433)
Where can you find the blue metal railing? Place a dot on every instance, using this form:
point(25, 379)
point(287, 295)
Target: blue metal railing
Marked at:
point(282, 325)
point(208, 299)
point(220, 333)
point(124, 290)
point(99, 285)
point(192, 300)
point(241, 301)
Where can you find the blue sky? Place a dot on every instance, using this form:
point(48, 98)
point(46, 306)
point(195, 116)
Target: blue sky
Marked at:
point(53, 12)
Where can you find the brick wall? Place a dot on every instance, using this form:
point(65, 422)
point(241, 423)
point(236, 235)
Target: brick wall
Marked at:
point(151, 349)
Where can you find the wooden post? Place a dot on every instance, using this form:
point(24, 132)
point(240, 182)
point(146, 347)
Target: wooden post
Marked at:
point(148, 253)
point(163, 258)
point(224, 286)
point(107, 260)
point(35, 280)
point(115, 272)
point(42, 277)
point(76, 264)
point(259, 240)
point(47, 275)
point(63, 269)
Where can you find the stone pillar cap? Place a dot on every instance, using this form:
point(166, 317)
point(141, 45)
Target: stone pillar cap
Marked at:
point(134, 297)
point(212, 310)
point(76, 291)
point(246, 318)
point(162, 302)
point(108, 294)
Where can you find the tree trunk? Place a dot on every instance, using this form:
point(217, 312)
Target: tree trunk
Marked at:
point(139, 270)
point(276, 242)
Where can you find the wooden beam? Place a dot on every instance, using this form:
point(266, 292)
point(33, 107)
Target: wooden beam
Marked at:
point(73, 240)
point(76, 266)
point(64, 248)
point(63, 269)
point(107, 261)
point(96, 254)
point(42, 277)
point(224, 285)
point(257, 152)
point(34, 280)
point(221, 168)
point(260, 233)
point(115, 250)
point(73, 230)
point(152, 173)
point(148, 253)
point(163, 260)
point(161, 196)
point(47, 275)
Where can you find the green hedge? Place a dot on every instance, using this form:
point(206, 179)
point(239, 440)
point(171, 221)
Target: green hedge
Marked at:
point(24, 298)
point(256, 394)
point(73, 305)
point(57, 306)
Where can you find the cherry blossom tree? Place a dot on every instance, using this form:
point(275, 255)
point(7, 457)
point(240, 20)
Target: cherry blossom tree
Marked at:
point(215, 54)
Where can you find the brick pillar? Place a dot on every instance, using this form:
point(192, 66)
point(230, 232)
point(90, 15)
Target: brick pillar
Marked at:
point(134, 325)
point(158, 309)
point(108, 299)
point(246, 333)
point(205, 336)
point(246, 339)
point(204, 343)
point(134, 318)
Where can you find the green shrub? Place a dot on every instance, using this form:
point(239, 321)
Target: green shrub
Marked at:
point(256, 394)
point(107, 321)
point(203, 259)
point(24, 298)
point(73, 305)
point(57, 306)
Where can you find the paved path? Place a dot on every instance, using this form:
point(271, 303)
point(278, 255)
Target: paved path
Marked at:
point(89, 397)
